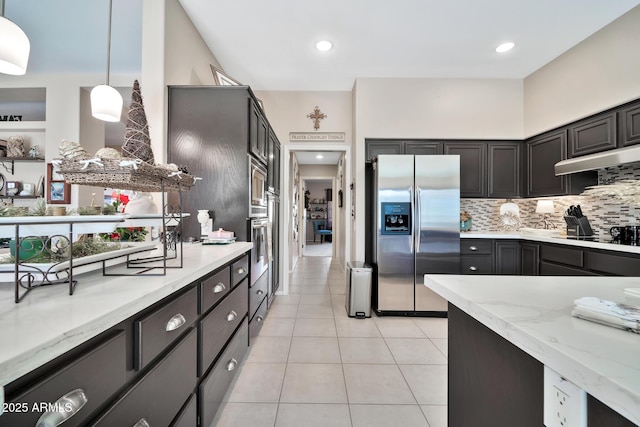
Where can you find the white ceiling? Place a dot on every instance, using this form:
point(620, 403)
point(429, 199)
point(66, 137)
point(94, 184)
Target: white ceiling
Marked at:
point(270, 44)
point(310, 157)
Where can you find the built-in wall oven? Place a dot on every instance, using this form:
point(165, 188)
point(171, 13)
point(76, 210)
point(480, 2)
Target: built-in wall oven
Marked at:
point(258, 188)
point(260, 255)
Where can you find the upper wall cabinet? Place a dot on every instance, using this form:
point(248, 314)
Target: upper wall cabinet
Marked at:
point(375, 148)
point(543, 152)
point(258, 132)
point(629, 128)
point(592, 135)
point(504, 165)
point(423, 147)
point(473, 167)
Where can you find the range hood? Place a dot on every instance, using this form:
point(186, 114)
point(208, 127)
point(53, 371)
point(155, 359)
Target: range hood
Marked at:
point(599, 160)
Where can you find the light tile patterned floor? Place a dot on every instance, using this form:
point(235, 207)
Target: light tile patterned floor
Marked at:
point(312, 365)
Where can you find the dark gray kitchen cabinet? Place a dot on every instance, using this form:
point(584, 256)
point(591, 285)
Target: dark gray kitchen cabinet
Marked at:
point(593, 135)
point(529, 259)
point(543, 152)
point(507, 257)
point(258, 132)
point(611, 263)
point(423, 147)
point(476, 256)
point(273, 163)
point(473, 166)
point(629, 125)
point(373, 148)
point(504, 169)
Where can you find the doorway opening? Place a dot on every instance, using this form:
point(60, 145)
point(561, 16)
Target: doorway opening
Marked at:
point(300, 164)
point(318, 217)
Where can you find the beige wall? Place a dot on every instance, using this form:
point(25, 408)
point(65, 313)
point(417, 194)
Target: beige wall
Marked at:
point(429, 108)
point(601, 72)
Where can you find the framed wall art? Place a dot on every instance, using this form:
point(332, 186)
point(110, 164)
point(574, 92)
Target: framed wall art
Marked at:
point(223, 79)
point(58, 191)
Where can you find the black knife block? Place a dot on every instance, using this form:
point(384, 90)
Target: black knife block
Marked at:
point(578, 226)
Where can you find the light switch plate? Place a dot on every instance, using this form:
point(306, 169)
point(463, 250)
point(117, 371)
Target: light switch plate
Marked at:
point(565, 404)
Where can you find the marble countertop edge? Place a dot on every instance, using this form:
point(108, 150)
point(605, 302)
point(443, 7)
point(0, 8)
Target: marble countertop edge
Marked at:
point(614, 382)
point(107, 300)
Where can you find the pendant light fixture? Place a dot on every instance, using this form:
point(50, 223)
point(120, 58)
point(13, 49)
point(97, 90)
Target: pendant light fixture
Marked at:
point(106, 102)
point(14, 47)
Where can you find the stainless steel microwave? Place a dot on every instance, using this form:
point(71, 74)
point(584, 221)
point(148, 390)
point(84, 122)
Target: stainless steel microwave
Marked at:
point(258, 188)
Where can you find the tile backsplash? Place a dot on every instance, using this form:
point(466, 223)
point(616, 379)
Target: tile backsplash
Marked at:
point(603, 212)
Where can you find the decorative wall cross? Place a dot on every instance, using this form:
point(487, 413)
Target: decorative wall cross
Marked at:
point(316, 116)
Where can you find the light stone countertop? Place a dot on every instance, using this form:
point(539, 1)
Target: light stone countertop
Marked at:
point(534, 313)
point(49, 322)
point(603, 243)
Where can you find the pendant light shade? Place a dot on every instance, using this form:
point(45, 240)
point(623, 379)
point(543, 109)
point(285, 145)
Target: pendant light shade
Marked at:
point(14, 47)
point(106, 102)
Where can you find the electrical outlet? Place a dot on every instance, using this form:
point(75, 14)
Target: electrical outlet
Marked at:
point(565, 404)
point(561, 404)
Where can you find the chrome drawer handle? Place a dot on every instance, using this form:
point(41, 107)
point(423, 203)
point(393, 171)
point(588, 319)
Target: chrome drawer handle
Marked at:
point(472, 268)
point(259, 292)
point(241, 270)
point(219, 288)
point(175, 322)
point(231, 316)
point(259, 319)
point(473, 248)
point(142, 423)
point(232, 365)
point(68, 405)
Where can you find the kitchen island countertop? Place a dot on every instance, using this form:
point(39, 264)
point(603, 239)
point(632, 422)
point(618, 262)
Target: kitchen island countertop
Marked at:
point(534, 314)
point(49, 322)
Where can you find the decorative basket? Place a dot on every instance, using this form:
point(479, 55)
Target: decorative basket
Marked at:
point(124, 174)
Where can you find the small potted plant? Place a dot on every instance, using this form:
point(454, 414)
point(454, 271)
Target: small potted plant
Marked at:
point(465, 221)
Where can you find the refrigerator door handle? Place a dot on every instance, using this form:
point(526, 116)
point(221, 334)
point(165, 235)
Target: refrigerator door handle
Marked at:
point(413, 209)
point(417, 229)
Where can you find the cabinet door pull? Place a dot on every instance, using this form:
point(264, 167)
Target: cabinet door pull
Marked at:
point(259, 319)
point(473, 268)
point(231, 316)
point(68, 405)
point(175, 322)
point(259, 292)
point(473, 248)
point(232, 365)
point(241, 270)
point(219, 288)
point(142, 423)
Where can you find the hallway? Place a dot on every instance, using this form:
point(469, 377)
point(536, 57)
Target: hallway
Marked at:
point(313, 366)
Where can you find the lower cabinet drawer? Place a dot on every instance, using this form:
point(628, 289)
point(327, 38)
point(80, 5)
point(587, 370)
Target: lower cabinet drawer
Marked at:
point(476, 246)
point(562, 255)
point(188, 416)
point(257, 292)
point(159, 395)
point(213, 289)
point(258, 319)
point(86, 382)
point(218, 326)
point(613, 264)
point(482, 264)
point(154, 332)
point(550, 269)
point(239, 270)
point(214, 386)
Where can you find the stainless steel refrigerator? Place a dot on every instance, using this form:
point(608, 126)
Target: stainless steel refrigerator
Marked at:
point(416, 231)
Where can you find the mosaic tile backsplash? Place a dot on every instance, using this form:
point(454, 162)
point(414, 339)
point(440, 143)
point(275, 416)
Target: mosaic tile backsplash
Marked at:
point(603, 213)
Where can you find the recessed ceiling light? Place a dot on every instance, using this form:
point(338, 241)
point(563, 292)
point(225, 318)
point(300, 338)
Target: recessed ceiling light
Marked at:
point(319, 156)
point(504, 47)
point(324, 45)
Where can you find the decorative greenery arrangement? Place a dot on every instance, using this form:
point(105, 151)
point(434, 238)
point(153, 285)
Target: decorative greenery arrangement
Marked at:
point(59, 251)
point(126, 234)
